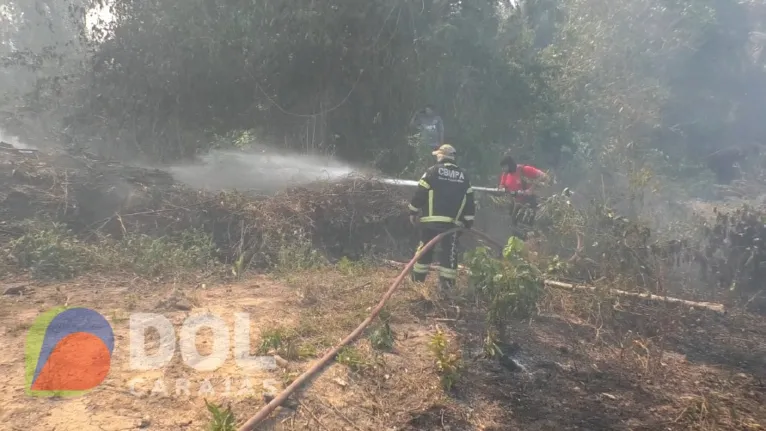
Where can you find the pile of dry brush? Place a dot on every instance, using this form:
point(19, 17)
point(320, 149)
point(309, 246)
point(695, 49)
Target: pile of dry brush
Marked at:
point(723, 253)
point(97, 198)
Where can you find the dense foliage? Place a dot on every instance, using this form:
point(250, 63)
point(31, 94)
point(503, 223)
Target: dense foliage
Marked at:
point(632, 85)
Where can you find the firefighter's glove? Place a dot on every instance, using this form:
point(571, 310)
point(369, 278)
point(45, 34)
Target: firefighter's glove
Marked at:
point(414, 219)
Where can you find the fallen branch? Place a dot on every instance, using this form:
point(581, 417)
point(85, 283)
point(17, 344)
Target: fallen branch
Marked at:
point(569, 286)
point(433, 267)
point(707, 305)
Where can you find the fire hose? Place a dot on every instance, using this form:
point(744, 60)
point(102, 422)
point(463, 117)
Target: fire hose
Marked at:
point(330, 356)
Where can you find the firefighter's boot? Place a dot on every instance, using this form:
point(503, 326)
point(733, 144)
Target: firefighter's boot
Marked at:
point(446, 284)
point(418, 277)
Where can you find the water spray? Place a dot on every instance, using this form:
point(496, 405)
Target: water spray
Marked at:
point(270, 171)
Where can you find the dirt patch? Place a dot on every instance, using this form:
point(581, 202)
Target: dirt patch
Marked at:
point(129, 398)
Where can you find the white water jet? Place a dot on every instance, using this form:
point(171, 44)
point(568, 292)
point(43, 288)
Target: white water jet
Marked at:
point(261, 171)
point(268, 171)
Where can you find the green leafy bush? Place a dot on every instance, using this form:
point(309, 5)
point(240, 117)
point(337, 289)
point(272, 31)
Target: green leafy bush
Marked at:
point(50, 252)
point(510, 286)
point(152, 256)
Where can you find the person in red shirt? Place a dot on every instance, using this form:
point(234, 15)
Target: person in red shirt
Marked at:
point(514, 179)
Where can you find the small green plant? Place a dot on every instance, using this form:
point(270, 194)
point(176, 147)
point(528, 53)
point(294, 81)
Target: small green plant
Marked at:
point(297, 255)
point(556, 267)
point(510, 286)
point(352, 358)
point(306, 351)
point(273, 339)
point(448, 363)
point(491, 349)
point(284, 343)
point(349, 267)
point(238, 267)
point(382, 337)
point(221, 420)
point(50, 251)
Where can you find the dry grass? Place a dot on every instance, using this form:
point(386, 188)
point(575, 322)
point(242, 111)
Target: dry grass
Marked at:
point(369, 387)
point(585, 355)
point(589, 361)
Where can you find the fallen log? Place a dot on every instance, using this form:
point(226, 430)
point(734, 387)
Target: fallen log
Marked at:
point(713, 306)
point(649, 296)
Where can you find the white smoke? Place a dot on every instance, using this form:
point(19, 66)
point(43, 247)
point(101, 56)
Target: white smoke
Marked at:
point(14, 141)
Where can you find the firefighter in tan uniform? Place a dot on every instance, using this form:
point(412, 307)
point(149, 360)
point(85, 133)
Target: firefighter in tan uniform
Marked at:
point(444, 200)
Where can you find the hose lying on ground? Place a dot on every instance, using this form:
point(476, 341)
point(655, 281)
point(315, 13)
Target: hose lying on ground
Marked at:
point(329, 356)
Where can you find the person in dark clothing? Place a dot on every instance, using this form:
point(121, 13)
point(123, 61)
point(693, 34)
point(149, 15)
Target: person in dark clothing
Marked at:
point(430, 126)
point(444, 200)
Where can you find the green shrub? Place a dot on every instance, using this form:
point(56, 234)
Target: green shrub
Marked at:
point(510, 286)
point(50, 251)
